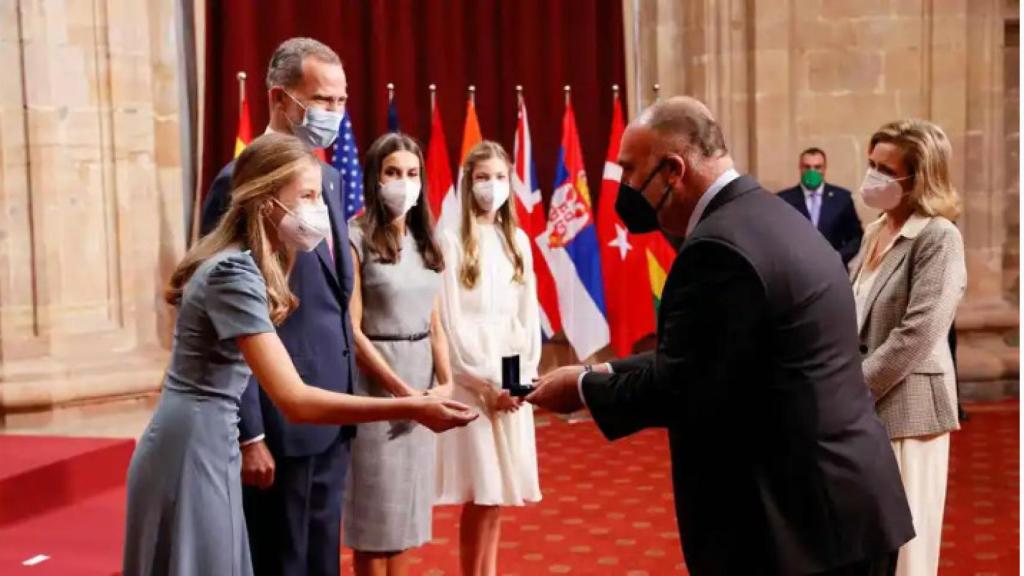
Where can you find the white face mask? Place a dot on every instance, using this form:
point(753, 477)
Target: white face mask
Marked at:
point(880, 191)
point(305, 227)
point(490, 194)
point(400, 195)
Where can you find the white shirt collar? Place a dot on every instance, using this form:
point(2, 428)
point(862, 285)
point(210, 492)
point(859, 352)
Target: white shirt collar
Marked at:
point(709, 195)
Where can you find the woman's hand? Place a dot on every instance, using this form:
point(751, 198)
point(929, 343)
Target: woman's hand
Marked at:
point(500, 400)
point(439, 414)
point(443, 391)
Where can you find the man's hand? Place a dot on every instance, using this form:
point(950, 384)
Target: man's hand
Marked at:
point(556, 391)
point(257, 465)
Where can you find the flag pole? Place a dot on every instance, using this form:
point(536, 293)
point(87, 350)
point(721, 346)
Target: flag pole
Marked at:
point(241, 89)
point(615, 92)
point(391, 92)
point(433, 97)
point(568, 94)
point(472, 94)
point(519, 95)
point(657, 91)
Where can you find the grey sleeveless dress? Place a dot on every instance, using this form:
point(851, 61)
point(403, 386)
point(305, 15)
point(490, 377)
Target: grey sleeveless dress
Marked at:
point(184, 514)
point(390, 492)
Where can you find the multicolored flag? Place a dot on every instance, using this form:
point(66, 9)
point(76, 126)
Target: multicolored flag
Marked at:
point(569, 246)
point(530, 211)
point(623, 258)
point(243, 136)
point(660, 256)
point(451, 208)
point(346, 160)
point(439, 171)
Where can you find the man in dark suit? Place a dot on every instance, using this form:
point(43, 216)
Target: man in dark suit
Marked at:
point(294, 474)
point(780, 464)
point(830, 208)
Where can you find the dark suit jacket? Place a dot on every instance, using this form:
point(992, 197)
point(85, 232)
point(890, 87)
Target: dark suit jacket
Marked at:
point(780, 464)
point(838, 220)
point(317, 335)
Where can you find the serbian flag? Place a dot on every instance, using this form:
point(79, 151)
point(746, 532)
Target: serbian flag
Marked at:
point(244, 134)
point(570, 248)
point(439, 171)
point(530, 211)
point(627, 283)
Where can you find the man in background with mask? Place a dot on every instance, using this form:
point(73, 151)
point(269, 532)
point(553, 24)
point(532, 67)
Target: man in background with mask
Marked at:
point(829, 208)
point(780, 464)
point(294, 474)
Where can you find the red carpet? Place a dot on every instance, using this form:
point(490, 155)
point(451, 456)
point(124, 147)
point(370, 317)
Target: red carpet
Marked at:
point(607, 508)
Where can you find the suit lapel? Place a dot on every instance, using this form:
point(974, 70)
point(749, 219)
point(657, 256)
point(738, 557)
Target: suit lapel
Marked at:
point(828, 208)
point(890, 263)
point(799, 201)
point(333, 201)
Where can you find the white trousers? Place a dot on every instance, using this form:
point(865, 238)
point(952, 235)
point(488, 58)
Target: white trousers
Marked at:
point(924, 467)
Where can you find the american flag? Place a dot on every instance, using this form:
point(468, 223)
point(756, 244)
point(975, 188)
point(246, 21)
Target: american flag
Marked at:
point(346, 160)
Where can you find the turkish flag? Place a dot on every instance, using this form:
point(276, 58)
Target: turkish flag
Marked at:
point(627, 285)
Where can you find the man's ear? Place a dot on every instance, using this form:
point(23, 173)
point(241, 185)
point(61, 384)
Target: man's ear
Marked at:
point(674, 168)
point(276, 96)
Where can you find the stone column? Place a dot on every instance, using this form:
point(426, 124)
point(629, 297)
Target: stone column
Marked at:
point(783, 75)
point(90, 213)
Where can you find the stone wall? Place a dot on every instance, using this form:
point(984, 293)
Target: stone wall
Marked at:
point(90, 197)
point(783, 75)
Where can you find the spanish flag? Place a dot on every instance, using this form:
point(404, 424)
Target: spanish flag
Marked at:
point(244, 134)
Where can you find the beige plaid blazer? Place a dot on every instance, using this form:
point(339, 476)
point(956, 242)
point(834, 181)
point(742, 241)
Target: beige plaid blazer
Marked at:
point(908, 312)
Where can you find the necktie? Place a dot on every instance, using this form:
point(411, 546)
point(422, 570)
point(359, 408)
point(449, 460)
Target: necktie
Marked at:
point(815, 207)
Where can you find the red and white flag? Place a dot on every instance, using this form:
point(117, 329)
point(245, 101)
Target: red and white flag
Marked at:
point(532, 219)
point(439, 172)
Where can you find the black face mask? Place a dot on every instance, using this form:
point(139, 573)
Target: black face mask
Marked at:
point(636, 212)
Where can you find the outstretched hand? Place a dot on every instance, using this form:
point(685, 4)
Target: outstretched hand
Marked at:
point(440, 414)
point(556, 391)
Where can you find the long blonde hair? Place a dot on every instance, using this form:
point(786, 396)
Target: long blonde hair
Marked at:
point(469, 271)
point(927, 154)
point(266, 165)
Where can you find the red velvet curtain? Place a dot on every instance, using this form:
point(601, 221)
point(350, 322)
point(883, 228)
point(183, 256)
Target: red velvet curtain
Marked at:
point(493, 44)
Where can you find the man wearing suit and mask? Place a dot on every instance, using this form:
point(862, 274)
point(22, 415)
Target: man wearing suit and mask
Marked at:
point(829, 208)
point(294, 474)
point(780, 464)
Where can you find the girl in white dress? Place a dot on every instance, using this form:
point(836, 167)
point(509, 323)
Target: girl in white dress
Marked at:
point(489, 310)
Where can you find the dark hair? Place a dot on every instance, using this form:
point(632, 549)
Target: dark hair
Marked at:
point(382, 239)
point(285, 68)
point(814, 150)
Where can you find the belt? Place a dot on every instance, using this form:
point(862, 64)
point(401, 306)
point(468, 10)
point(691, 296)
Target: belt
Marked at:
point(398, 337)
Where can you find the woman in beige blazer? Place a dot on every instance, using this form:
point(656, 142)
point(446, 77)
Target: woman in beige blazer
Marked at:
point(908, 280)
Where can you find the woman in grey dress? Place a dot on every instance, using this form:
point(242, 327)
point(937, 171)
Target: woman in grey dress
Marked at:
point(402, 351)
point(184, 512)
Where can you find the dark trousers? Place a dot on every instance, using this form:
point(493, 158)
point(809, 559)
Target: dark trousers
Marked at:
point(294, 526)
point(883, 565)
